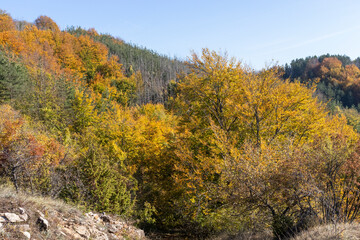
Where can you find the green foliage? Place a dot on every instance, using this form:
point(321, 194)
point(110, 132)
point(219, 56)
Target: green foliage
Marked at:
point(126, 91)
point(334, 75)
point(282, 226)
point(14, 79)
point(156, 70)
point(105, 189)
point(147, 214)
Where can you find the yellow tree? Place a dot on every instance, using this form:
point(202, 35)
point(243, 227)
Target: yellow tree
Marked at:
point(241, 126)
point(211, 91)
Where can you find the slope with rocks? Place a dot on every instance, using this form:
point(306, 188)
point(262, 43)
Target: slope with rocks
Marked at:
point(23, 216)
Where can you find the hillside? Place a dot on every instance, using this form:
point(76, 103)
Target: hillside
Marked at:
point(337, 76)
point(198, 149)
point(25, 216)
point(157, 71)
point(337, 81)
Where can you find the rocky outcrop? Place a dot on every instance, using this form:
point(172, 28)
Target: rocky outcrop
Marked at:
point(34, 224)
point(43, 224)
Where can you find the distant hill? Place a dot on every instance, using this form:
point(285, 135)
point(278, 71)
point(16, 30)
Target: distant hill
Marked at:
point(157, 70)
point(337, 77)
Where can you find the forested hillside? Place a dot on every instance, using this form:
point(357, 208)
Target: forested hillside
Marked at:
point(202, 147)
point(337, 80)
point(157, 71)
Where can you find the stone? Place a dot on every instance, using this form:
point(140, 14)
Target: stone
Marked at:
point(2, 219)
point(89, 214)
point(82, 231)
point(105, 218)
point(22, 210)
point(12, 217)
point(23, 214)
point(114, 237)
point(93, 216)
point(140, 234)
point(71, 234)
point(24, 217)
point(27, 235)
point(98, 235)
point(96, 218)
point(43, 224)
point(62, 234)
point(40, 214)
point(112, 229)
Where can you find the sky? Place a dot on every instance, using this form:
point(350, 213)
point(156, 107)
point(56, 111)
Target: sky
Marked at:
point(259, 33)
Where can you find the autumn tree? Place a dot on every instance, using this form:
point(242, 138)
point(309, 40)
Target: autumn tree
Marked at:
point(280, 177)
point(238, 119)
point(6, 22)
point(46, 23)
point(336, 77)
point(102, 186)
point(26, 157)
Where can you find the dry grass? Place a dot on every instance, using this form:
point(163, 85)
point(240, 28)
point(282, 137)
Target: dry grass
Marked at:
point(54, 211)
point(343, 231)
point(263, 235)
point(7, 192)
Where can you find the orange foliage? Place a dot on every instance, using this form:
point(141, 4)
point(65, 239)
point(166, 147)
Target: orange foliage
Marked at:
point(6, 23)
point(46, 23)
point(332, 69)
point(331, 63)
point(45, 48)
point(19, 145)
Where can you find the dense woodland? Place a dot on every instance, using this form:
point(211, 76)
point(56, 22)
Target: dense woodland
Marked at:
point(203, 147)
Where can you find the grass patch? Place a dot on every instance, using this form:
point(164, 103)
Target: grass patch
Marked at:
point(348, 231)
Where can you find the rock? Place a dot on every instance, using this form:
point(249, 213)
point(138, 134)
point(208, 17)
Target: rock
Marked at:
point(82, 230)
point(101, 228)
point(139, 234)
point(40, 214)
point(112, 229)
point(97, 218)
point(23, 214)
point(62, 234)
point(98, 235)
point(89, 214)
point(43, 224)
point(105, 218)
point(27, 235)
point(71, 234)
point(24, 217)
point(12, 217)
point(22, 210)
point(93, 216)
point(67, 226)
point(114, 237)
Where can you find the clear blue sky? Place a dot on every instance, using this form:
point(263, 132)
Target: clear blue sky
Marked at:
point(254, 31)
